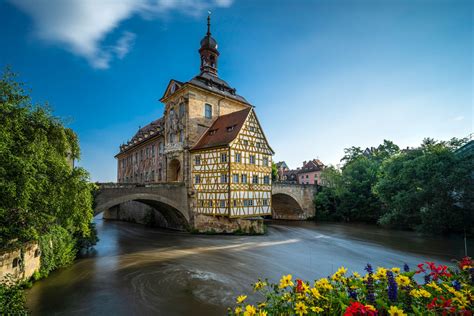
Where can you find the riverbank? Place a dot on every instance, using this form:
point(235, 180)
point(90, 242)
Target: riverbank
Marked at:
point(138, 270)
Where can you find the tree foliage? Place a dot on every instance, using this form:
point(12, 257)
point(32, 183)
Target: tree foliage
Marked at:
point(43, 196)
point(428, 188)
point(39, 187)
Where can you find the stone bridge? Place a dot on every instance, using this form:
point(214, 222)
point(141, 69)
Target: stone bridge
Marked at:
point(289, 201)
point(293, 201)
point(170, 199)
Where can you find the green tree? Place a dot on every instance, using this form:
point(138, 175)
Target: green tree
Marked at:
point(274, 172)
point(327, 200)
point(427, 188)
point(348, 195)
point(39, 187)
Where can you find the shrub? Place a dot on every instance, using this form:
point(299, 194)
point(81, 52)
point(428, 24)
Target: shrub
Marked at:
point(445, 291)
point(58, 249)
point(12, 298)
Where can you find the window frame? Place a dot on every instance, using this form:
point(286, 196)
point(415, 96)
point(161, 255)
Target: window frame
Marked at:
point(208, 111)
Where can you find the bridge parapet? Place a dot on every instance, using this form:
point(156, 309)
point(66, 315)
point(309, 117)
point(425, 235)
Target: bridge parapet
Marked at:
point(115, 185)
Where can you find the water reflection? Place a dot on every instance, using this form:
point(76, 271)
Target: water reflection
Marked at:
point(136, 270)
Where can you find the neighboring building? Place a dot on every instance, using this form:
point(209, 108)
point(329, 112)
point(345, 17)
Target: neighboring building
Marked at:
point(208, 134)
point(290, 176)
point(310, 173)
point(142, 159)
point(231, 167)
point(282, 167)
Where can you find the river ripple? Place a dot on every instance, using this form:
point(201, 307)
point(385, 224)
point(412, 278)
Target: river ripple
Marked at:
point(140, 271)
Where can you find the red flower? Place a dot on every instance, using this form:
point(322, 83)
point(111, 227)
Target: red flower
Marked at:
point(465, 262)
point(357, 309)
point(420, 268)
point(299, 286)
point(432, 305)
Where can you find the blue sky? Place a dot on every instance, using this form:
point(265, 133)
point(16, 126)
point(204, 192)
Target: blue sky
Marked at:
point(323, 75)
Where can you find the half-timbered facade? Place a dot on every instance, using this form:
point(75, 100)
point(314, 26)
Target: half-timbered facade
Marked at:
point(209, 138)
point(231, 168)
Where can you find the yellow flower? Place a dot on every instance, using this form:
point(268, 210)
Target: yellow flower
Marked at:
point(286, 281)
point(435, 286)
point(396, 270)
point(241, 298)
point(259, 285)
point(262, 313)
point(402, 280)
point(395, 311)
point(250, 310)
point(316, 293)
point(339, 273)
point(370, 307)
point(356, 275)
point(238, 310)
point(305, 287)
point(287, 297)
point(323, 284)
point(420, 293)
point(301, 308)
point(381, 273)
point(317, 309)
point(262, 304)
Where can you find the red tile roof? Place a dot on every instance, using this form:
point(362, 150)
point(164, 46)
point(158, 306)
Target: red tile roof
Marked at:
point(223, 131)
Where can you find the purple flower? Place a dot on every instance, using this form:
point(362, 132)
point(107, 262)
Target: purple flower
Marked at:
point(427, 279)
point(392, 287)
point(370, 285)
point(456, 285)
point(369, 269)
point(406, 268)
point(353, 294)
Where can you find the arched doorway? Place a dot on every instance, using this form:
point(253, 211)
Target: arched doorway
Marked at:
point(284, 206)
point(174, 171)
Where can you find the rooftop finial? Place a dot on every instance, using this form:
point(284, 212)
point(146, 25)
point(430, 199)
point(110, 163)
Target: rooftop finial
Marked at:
point(208, 23)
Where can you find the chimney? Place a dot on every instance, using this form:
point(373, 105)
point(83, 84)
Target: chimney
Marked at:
point(304, 163)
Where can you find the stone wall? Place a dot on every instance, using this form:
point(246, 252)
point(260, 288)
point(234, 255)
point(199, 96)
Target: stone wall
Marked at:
point(220, 224)
point(21, 262)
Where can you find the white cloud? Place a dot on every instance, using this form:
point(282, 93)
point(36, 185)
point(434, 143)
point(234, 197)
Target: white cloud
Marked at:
point(81, 26)
point(458, 118)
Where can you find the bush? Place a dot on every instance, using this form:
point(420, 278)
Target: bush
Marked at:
point(12, 298)
point(381, 292)
point(58, 249)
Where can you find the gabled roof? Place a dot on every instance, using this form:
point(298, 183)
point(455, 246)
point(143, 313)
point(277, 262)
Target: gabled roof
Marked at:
point(173, 83)
point(312, 165)
point(223, 131)
point(281, 164)
point(207, 82)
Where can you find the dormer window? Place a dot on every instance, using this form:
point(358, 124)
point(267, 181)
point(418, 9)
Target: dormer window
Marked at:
point(208, 111)
point(231, 128)
point(212, 132)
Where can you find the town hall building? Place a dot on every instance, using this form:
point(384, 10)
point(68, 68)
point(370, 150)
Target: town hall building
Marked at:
point(210, 139)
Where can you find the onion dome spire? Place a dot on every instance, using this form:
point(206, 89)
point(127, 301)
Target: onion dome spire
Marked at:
point(208, 51)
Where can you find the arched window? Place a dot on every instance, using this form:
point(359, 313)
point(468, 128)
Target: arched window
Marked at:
point(208, 111)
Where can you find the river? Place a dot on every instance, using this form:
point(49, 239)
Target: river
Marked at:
point(136, 270)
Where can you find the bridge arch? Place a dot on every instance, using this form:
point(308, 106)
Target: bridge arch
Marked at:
point(286, 206)
point(169, 201)
point(292, 201)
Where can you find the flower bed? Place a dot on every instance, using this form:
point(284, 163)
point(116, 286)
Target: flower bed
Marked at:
point(381, 291)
